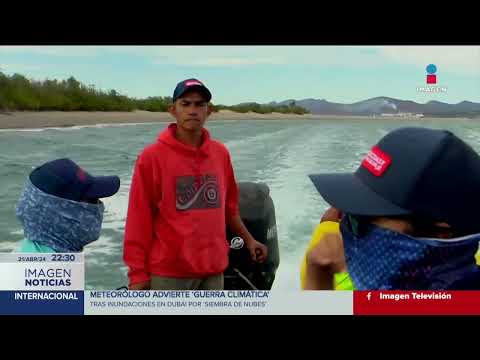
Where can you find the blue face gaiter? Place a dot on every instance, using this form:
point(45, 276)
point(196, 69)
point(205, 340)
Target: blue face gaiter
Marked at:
point(383, 259)
point(62, 224)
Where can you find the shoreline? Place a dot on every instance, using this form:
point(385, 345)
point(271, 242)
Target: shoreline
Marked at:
point(24, 120)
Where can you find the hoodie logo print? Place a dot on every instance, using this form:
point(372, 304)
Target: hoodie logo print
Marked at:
point(197, 192)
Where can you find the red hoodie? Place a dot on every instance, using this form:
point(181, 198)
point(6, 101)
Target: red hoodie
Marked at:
point(180, 198)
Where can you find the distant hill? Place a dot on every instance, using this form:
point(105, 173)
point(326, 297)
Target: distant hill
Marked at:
point(386, 105)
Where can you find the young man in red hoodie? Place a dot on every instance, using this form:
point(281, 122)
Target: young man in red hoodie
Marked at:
point(183, 193)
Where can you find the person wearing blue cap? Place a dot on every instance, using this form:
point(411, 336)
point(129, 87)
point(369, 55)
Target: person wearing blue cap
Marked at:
point(407, 219)
point(183, 194)
point(60, 208)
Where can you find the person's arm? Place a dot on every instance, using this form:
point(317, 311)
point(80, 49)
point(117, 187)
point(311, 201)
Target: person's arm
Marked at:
point(318, 278)
point(258, 251)
point(139, 227)
point(323, 261)
point(331, 214)
point(326, 258)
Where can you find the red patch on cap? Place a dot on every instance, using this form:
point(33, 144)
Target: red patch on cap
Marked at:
point(81, 175)
point(376, 161)
point(190, 83)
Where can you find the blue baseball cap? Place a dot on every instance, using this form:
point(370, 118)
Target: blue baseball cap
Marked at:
point(411, 171)
point(190, 85)
point(65, 179)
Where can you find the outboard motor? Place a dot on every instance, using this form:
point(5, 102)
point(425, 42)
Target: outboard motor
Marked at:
point(258, 214)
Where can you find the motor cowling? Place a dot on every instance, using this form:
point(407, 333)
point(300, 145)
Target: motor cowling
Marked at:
point(258, 214)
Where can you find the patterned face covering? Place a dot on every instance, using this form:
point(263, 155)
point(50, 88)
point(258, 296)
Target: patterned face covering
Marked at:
point(382, 259)
point(62, 224)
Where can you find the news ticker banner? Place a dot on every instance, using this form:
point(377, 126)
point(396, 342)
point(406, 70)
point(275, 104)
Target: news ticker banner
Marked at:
point(123, 302)
point(225, 302)
point(283, 303)
point(42, 284)
point(53, 284)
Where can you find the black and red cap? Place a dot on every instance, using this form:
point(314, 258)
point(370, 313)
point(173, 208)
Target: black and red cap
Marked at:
point(191, 85)
point(411, 171)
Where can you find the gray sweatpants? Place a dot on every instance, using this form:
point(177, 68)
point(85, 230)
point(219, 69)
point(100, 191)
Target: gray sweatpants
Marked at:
point(214, 282)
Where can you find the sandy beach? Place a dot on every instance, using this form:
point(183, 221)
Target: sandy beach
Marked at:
point(35, 120)
point(32, 119)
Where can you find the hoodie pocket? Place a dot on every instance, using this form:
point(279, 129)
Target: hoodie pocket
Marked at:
point(206, 249)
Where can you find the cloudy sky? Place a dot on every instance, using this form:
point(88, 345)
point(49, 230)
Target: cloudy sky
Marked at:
point(258, 73)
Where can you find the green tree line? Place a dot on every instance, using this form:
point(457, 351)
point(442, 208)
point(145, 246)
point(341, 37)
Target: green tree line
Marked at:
point(17, 93)
point(264, 109)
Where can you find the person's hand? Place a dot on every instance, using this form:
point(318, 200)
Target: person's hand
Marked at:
point(323, 261)
point(332, 214)
point(140, 286)
point(328, 254)
point(257, 250)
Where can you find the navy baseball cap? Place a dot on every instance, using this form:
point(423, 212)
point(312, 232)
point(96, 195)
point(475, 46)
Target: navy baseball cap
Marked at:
point(412, 171)
point(191, 84)
point(65, 179)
